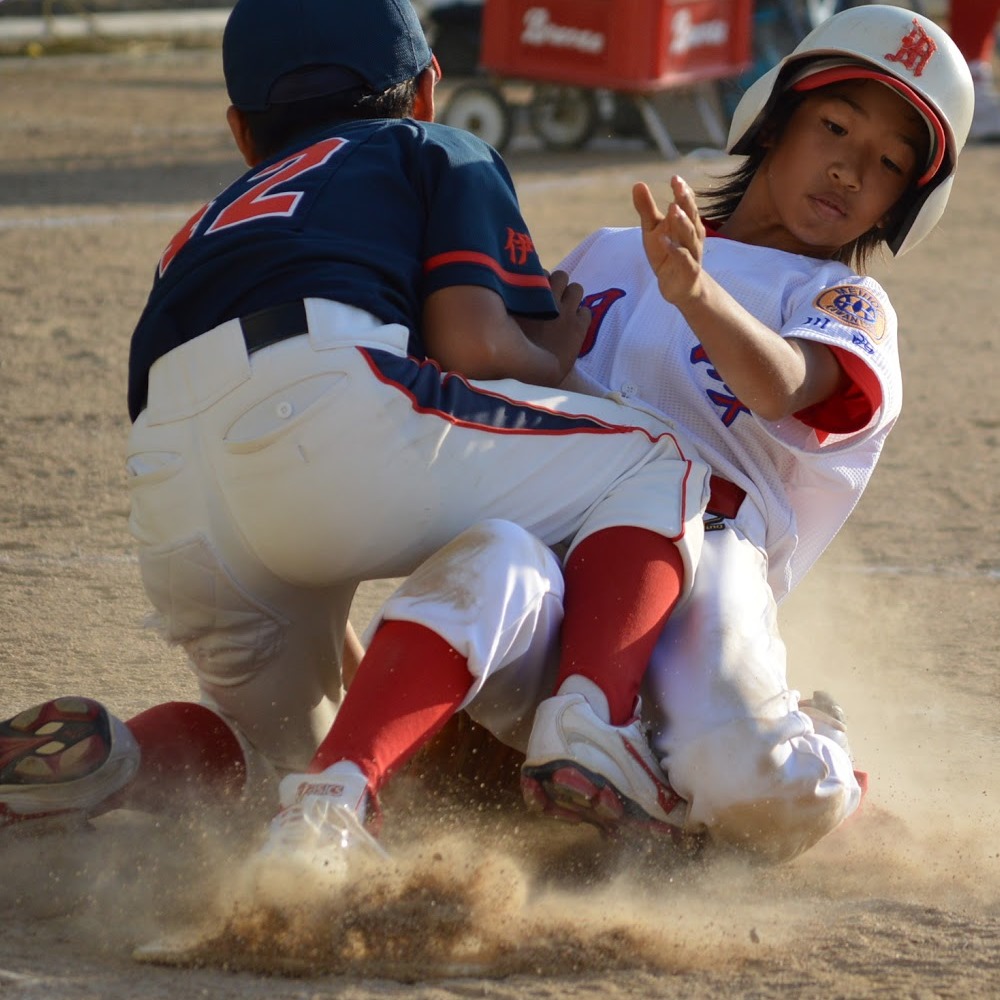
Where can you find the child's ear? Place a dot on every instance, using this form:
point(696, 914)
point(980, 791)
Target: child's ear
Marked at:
point(423, 101)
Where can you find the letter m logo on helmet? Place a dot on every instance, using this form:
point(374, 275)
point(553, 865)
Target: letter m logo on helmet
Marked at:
point(915, 50)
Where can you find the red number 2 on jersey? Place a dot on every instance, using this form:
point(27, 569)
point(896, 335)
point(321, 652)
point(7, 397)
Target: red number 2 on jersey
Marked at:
point(258, 202)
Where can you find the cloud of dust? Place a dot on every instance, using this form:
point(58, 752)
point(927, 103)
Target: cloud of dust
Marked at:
point(497, 898)
point(497, 893)
point(921, 718)
point(119, 880)
point(467, 894)
point(464, 894)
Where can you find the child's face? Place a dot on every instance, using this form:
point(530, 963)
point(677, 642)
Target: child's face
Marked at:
point(847, 155)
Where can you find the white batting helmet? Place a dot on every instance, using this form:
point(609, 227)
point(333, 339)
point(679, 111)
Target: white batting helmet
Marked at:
point(901, 49)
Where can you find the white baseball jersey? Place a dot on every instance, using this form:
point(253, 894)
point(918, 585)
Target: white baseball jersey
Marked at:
point(804, 482)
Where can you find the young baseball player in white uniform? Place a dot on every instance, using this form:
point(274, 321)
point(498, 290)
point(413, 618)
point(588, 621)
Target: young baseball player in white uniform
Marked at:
point(758, 333)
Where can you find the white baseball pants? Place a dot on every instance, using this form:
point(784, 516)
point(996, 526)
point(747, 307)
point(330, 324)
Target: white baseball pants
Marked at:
point(722, 718)
point(266, 486)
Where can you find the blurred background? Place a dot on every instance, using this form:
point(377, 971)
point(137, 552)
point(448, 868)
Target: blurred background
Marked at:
point(567, 73)
point(550, 74)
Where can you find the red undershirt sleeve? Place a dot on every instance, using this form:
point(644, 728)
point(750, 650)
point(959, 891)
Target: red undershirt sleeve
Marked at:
point(851, 408)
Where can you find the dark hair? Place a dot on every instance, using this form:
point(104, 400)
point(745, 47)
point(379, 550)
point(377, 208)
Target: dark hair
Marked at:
point(281, 124)
point(720, 201)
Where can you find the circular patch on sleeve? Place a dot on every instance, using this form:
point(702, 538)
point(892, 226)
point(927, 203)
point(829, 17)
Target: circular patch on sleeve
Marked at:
point(855, 307)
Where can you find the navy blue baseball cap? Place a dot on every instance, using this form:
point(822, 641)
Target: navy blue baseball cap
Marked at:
point(279, 51)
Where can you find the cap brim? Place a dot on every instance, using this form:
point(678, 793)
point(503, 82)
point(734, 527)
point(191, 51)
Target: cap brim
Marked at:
point(815, 76)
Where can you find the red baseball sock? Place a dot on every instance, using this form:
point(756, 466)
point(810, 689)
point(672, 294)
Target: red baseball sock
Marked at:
point(621, 585)
point(971, 28)
point(186, 748)
point(409, 684)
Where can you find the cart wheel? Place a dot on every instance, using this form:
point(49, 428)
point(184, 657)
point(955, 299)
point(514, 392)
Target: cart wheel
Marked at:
point(480, 109)
point(564, 118)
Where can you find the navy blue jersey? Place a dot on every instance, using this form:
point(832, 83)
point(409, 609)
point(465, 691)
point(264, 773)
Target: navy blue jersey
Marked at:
point(376, 214)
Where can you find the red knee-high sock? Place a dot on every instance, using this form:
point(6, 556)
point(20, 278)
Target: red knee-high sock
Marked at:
point(409, 684)
point(972, 26)
point(621, 585)
point(186, 749)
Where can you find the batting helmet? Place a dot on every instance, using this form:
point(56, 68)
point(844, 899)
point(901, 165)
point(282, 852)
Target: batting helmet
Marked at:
point(901, 49)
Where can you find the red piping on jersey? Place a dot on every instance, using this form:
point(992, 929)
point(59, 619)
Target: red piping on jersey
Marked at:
point(468, 257)
point(603, 428)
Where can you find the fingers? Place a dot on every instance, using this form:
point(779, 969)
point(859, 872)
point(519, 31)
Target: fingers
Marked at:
point(683, 195)
point(681, 229)
point(645, 206)
point(558, 280)
point(568, 294)
point(687, 203)
point(647, 209)
point(683, 225)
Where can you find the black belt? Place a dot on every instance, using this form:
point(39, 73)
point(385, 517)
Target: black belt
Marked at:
point(271, 326)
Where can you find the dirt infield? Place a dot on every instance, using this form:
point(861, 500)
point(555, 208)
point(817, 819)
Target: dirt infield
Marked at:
point(101, 160)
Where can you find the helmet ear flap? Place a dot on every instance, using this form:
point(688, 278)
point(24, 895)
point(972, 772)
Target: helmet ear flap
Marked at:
point(921, 217)
point(753, 112)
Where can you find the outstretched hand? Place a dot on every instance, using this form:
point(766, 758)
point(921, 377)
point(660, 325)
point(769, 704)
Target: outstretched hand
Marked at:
point(674, 241)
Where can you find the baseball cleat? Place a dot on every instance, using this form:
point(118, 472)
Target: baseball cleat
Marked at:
point(319, 830)
point(61, 760)
point(579, 768)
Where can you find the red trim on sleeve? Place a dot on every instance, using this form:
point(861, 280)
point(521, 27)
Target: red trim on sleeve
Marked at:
point(484, 260)
point(850, 408)
point(847, 410)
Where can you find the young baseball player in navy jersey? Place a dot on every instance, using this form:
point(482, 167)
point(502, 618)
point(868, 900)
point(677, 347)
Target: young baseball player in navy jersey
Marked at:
point(345, 363)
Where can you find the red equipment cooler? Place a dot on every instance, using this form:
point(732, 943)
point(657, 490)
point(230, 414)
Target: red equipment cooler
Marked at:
point(626, 45)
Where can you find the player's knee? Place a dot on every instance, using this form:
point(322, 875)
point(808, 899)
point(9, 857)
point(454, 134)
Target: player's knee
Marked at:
point(761, 788)
point(226, 634)
point(777, 829)
point(509, 541)
point(491, 554)
point(494, 594)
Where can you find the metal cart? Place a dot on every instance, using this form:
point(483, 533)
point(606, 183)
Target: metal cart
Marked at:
point(574, 63)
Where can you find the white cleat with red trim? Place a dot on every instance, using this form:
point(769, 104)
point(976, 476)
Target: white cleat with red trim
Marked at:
point(319, 833)
point(580, 768)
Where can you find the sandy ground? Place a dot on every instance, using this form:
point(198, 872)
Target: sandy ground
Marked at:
point(101, 160)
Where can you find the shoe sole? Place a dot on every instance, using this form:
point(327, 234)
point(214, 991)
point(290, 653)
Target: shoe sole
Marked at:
point(65, 755)
point(62, 740)
point(566, 791)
